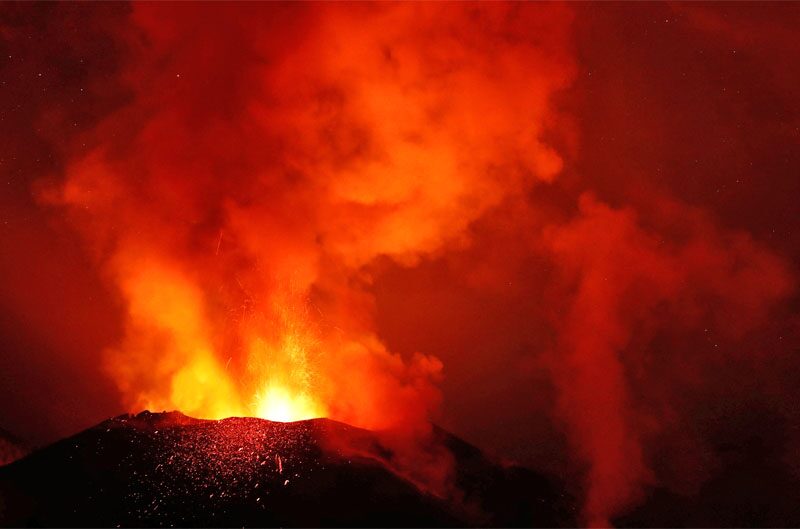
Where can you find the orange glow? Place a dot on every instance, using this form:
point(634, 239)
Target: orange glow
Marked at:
point(239, 220)
point(277, 404)
point(168, 317)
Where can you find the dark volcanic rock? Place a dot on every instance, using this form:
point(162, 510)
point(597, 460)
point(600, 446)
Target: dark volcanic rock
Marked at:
point(753, 488)
point(170, 470)
point(11, 448)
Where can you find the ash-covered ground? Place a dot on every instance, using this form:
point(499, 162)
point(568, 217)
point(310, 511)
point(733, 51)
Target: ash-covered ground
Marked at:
point(166, 469)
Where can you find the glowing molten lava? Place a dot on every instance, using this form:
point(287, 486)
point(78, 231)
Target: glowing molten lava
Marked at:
point(277, 404)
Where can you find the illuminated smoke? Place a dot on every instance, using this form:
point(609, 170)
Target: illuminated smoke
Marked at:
point(268, 154)
point(626, 284)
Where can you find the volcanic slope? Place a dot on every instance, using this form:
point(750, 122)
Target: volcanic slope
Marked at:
point(11, 448)
point(166, 469)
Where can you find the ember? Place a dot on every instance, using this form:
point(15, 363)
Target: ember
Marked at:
point(161, 470)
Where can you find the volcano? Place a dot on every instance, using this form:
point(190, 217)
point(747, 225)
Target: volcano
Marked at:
point(167, 469)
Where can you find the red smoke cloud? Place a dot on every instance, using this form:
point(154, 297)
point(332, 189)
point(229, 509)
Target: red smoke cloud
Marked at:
point(268, 154)
point(625, 284)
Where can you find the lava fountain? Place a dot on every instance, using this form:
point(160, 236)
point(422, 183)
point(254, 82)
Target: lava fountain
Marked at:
point(239, 220)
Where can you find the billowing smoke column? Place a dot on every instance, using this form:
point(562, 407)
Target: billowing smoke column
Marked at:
point(267, 156)
point(626, 285)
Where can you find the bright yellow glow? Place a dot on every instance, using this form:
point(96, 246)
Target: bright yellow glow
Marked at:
point(277, 404)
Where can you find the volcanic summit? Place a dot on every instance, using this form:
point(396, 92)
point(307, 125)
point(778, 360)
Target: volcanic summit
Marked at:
point(167, 469)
